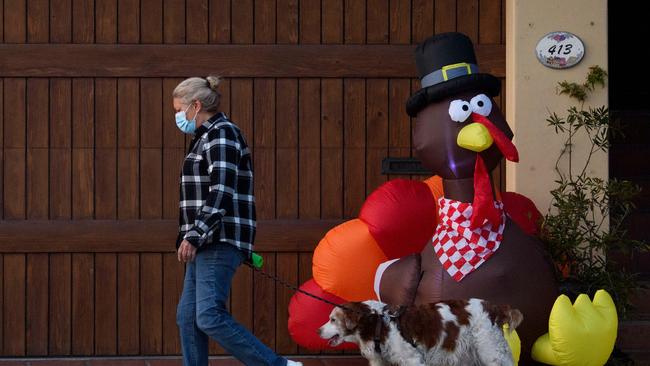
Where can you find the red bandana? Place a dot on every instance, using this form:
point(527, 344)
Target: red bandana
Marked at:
point(459, 248)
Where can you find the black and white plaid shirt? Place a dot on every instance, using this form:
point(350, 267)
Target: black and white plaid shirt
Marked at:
point(217, 201)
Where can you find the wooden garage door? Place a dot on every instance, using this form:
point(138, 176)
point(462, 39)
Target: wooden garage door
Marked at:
point(90, 153)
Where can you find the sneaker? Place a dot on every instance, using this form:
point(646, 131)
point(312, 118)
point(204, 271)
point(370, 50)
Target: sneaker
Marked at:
point(293, 363)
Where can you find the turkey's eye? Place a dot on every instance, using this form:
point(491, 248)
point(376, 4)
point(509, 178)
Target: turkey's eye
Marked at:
point(459, 110)
point(481, 104)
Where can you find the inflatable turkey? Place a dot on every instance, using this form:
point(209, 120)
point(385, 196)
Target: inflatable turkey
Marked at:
point(450, 237)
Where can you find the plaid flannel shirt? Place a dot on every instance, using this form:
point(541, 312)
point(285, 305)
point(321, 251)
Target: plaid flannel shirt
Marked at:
point(216, 192)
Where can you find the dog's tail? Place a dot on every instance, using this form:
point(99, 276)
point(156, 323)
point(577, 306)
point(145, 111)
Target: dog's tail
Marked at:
point(503, 314)
point(514, 318)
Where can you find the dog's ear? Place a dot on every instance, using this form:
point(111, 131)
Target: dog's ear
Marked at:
point(351, 321)
point(353, 312)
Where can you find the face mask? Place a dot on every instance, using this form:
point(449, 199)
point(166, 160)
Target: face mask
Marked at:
point(182, 122)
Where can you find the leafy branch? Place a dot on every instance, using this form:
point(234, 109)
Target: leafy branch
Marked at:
point(574, 228)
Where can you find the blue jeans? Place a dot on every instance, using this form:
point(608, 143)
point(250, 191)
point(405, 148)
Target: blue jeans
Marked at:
point(202, 312)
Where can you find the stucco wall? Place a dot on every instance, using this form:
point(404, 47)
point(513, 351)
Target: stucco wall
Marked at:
point(532, 88)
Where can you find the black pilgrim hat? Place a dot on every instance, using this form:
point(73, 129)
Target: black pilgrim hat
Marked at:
point(447, 65)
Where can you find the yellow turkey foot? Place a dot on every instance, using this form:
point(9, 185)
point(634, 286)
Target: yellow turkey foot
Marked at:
point(582, 334)
point(513, 342)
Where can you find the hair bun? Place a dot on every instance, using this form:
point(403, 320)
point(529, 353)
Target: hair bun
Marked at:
point(213, 82)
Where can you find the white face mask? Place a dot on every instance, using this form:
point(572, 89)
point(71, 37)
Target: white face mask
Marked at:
point(185, 125)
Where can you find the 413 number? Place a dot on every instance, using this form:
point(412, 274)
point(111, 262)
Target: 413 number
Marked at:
point(563, 49)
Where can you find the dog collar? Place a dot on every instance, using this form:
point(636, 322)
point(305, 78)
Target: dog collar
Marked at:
point(377, 337)
point(387, 317)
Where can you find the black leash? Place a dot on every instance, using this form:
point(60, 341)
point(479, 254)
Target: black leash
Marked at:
point(295, 288)
point(380, 317)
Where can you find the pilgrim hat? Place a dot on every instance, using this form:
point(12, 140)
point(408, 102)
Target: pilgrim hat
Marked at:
point(447, 65)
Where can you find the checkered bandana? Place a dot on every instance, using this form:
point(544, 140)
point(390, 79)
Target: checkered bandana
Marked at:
point(460, 249)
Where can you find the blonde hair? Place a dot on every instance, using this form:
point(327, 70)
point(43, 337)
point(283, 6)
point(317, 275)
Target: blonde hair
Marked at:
point(204, 90)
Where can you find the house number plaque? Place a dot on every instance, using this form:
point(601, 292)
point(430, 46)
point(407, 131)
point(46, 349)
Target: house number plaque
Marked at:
point(560, 50)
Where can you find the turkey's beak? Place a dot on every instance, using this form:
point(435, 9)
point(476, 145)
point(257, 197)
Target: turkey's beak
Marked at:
point(504, 144)
point(474, 137)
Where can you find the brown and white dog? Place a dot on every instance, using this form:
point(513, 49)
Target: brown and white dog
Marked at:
point(455, 332)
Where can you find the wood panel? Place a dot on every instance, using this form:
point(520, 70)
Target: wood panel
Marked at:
point(332, 149)
point(128, 14)
point(286, 149)
point(2, 168)
point(60, 148)
point(14, 146)
point(37, 304)
point(128, 182)
point(105, 148)
point(242, 22)
point(174, 30)
point(445, 16)
point(13, 293)
point(2, 305)
point(83, 142)
point(2, 31)
point(355, 22)
point(287, 270)
point(128, 304)
point(106, 21)
point(422, 21)
point(60, 289)
point(37, 21)
point(37, 174)
point(83, 118)
point(124, 236)
point(490, 21)
point(309, 149)
point(196, 14)
point(14, 21)
point(377, 21)
point(219, 24)
point(400, 21)
point(172, 280)
point(310, 19)
point(61, 21)
point(354, 146)
point(376, 132)
point(287, 21)
point(151, 304)
point(399, 129)
point(83, 21)
point(105, 304)
point(264, 302)
point(83, 303)
point(265, 17)
point(264, 147)
point(467, 18)
point(76, 60)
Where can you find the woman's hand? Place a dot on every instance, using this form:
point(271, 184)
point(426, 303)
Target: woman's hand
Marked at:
point(186, 252)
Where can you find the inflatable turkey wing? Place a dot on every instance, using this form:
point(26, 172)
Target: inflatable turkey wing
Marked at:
point(396, 220)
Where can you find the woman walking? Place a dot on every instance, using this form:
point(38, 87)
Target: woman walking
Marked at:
point(217, 227)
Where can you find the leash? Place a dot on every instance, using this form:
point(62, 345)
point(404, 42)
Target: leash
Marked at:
point(256, 264)
point(275, 278)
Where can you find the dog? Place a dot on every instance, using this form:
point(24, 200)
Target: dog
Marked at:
point(454, 332)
